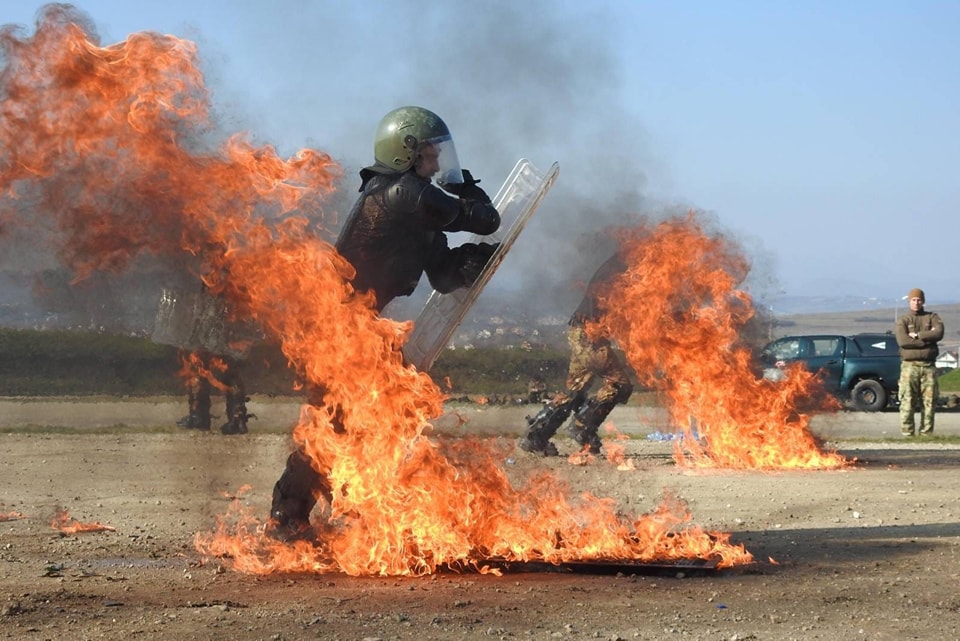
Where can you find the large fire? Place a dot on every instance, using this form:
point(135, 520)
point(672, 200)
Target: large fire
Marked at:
point(679, 316)
point(103, 145)
point(103, 150)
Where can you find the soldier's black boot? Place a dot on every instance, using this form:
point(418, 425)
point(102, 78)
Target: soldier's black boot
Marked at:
point(198, 401)
point(542, 427)
point(586, 435)
point(237, 415)
point(294, 498)
point(587, 423)
point(591, 415)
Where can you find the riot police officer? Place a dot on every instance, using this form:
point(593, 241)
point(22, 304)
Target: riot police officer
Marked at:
point(395, 233)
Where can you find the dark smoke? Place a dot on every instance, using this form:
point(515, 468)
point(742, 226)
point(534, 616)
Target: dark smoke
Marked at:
point(526, 81)
point(110, 169)
point(511, 79)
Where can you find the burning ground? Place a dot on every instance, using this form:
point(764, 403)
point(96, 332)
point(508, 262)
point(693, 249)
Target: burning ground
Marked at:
point(110, 157)
point(865, 554)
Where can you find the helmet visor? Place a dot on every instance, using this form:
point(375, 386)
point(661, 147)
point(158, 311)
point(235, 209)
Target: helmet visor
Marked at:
point(448, 165)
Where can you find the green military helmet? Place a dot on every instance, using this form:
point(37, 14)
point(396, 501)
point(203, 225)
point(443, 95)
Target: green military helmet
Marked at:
point(403, 132)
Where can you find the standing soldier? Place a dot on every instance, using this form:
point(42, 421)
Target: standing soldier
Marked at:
point(197, 323)
point(204, 371)
point(918, 332)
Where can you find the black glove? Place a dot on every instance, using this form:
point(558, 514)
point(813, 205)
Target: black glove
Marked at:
point(467, 189)
point(468, 178)
point(474, 258)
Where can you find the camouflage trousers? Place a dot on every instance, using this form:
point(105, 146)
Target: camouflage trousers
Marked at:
point(590, 360)
point(918, 391)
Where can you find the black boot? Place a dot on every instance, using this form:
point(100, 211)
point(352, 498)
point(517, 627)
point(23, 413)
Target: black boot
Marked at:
point(587, 422)
point(542, 427)
point(586, 435)
point(531, 443)
point(294, 498)
point(236, 413)
point(198, 400)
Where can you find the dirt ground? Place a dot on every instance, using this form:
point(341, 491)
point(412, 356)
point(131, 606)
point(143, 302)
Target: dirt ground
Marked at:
point(871, 552)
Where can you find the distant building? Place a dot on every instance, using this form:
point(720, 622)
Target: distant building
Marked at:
point(947, 360)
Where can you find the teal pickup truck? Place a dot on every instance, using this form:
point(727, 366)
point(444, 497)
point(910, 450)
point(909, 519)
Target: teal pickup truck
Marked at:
point(863, 369)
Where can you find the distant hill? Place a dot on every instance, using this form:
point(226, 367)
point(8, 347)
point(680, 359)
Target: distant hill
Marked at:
point(499, 319)
point(827, 304)
point(866, 320)
point(820, 304)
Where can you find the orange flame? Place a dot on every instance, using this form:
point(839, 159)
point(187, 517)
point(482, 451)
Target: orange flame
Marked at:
point(193, 367)
point(678, 315)
point(538, 521)
point(107, 141)
point(110, 141)
point(581, 456)
point(616, 452)
point(62, 522)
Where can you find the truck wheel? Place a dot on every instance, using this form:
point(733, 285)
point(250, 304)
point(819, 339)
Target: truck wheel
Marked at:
point(869, 396)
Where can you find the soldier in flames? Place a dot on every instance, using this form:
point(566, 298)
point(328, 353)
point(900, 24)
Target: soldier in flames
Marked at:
point(396, 232)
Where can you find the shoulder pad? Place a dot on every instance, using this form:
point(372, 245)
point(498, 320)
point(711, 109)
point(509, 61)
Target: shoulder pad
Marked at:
point(404, 194)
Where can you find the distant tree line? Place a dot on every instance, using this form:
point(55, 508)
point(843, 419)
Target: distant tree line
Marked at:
point(83, 363)
point(80, 363)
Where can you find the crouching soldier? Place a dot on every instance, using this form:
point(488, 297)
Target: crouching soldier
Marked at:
point(592, 360)
point(396, 232)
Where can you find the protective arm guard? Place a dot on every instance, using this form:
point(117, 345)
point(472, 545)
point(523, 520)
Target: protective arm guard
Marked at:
point(451, 269)
point(412, 194)
point(468, 214)
point(476, 217)
point(471, 212)
point(477, 213)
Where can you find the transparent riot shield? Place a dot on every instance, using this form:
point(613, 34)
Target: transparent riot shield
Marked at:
point(516, 201)
point(190, 320)
point(199, 321)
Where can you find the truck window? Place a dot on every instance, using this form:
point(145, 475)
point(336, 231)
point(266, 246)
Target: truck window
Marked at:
point(878, 345)
point(785, 350)
point(826, 346)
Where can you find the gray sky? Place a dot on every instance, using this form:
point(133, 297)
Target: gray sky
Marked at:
point(822, 135)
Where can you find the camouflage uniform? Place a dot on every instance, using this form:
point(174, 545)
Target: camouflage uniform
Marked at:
point(918, 390)
point(918, 372)
point(590, 361)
